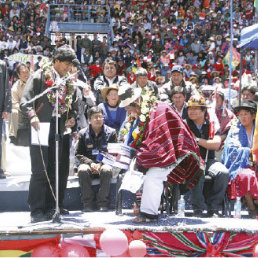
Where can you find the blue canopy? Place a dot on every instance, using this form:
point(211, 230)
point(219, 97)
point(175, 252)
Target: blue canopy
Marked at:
point(249, 37)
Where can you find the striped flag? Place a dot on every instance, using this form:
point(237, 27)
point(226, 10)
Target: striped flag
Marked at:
point(255, 140)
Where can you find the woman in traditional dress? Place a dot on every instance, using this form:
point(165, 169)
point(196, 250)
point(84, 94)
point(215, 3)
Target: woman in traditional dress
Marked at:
point(114, 116)
point(237, 153)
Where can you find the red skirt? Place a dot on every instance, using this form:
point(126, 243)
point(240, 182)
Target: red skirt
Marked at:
point(245, 182)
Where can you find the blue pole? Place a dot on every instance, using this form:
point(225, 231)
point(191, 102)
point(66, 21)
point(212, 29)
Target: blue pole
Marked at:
point(231, 52)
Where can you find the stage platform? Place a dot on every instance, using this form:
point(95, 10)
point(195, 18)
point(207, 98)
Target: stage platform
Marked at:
point(170, 236)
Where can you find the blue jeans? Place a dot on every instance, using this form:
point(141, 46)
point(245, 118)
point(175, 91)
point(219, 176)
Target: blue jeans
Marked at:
point(219, 173)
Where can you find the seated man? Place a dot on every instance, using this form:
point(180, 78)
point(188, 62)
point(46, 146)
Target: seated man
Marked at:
point(200, 125)
point(17, 90)
point(178, 97)
point(143, 82)
point(93, 140)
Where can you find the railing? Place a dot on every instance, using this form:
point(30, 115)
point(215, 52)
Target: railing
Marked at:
point(79, 18)
point(79, 13)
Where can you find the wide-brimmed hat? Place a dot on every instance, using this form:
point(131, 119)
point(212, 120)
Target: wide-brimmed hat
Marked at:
point(128, 94)
point(196, 101)
point(105, 90)
point(246, 104)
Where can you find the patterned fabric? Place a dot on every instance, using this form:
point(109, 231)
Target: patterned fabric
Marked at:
point(166, 139)
point(222, 244)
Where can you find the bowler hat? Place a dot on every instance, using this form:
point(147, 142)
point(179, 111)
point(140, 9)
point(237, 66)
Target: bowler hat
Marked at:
point(247, 104)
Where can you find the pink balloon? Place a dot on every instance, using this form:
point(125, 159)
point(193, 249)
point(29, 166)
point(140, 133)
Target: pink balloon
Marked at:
point(255, 251)
point(124, 254)
point(46, 250)
point(113, 242)
point(74, 250)
point(137, 248)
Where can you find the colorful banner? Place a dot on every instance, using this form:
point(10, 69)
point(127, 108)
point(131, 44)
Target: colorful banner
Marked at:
point(23, 58)
point(21, 248)
point(159, 244)
point(235, 58)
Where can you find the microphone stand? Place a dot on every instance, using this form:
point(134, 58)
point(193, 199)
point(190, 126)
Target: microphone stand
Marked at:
point(56, 216)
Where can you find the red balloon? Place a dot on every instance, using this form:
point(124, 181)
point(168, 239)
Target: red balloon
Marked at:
point(74, 250)
point(46, 250)
point(255, 251)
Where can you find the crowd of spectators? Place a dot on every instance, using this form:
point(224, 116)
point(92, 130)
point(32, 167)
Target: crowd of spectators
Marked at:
point(153, 34)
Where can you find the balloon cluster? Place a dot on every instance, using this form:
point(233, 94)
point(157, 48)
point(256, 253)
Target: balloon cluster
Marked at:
point(51, 250)
point(113, 243)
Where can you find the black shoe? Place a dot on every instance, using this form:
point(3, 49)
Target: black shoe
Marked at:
point(103, 208)
point(38, 217)
point(213, 214)
point(87, 208)
point(2, 175)
point(64, 211)
point(13, 140)
point(198, 213)
point(49, 214)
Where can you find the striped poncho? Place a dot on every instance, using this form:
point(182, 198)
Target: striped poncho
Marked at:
point(166, 140)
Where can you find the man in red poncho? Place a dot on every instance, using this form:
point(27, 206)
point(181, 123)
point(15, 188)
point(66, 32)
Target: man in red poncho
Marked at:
point(164, 146)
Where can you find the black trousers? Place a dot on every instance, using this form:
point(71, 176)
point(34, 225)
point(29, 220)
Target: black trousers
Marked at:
point(40, 195)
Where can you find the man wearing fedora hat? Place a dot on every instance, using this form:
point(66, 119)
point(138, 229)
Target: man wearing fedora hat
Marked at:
point(200, 125)
point(176, 80)
point(143, 82)
point(167, 151)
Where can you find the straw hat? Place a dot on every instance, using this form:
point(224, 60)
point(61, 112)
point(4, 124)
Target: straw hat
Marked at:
point(105, 90)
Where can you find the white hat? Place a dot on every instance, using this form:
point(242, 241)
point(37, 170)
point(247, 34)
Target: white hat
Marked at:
point(128, 94)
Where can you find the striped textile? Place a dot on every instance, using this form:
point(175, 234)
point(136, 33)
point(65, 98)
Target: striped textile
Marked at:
point(219, 244)
point(166, 139)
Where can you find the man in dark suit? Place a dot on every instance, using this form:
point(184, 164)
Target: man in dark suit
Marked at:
point(41, 197)
point(5, 105)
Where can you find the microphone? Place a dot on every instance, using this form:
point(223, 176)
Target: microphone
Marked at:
point(77, 64)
